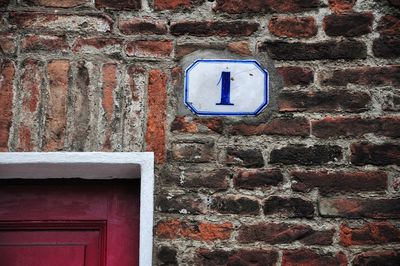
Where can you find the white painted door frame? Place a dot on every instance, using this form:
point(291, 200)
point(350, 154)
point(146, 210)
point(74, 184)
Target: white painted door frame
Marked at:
point(97, 165)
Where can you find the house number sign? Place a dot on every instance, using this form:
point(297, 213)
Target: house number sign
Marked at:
point(221, 87)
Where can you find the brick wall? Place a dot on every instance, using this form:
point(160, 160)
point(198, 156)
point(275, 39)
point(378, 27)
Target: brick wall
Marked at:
point(318, 183)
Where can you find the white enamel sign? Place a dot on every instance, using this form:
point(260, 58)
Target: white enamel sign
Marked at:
point(221, 87)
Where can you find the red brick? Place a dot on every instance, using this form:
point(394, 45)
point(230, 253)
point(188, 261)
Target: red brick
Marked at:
point(97, 45)
point(31, 85)
point(348, 24)
point(356, 127)
point(285, 126)
point(324, 101)
point(47, 43)
point(7, 43)
point(303, 155)
point(374, 233)
point(176, 4)
point(364, 153)
point(367, 76)
point(156, 114)
point(292, 75)
point(186, 124)
point(339, 181)
point(158, 49)
point(339, 6)
point(57, 3)
point(81, 105)
point(58, 22)
point(266, 6)
point(120, 5)
point(181, 204)
point(383, 257)
point(322, 238)
point(288, 207)
point(110, 84)
point(307, 257)
point(235, 205)
point(194, 151)
point(241, 47)
point(182, 50)
point(56, 114)
point(343, 49)
point(7, 72)
point(360, 208)
point(238, 257)
point(387, 47)
point(274, 233)
point(210, 28)
point(203, 231)
point(245, 157)
point(294, 27)
point(138, 26)
point(252, 179)
point(389, 25)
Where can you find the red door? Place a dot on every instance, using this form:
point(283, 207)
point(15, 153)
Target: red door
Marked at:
point(69, 223)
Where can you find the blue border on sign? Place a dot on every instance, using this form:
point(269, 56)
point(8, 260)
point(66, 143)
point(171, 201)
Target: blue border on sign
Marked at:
point(210, 113)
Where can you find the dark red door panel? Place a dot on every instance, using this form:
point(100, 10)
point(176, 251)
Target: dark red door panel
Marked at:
point(69, 223)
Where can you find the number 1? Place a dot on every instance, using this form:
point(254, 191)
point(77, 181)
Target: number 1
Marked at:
point(226, 89)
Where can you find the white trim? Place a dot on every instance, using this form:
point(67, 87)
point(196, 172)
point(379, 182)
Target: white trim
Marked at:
point(130, 160)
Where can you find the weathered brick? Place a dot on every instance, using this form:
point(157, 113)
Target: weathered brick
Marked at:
point(156, 114)
point(294, 27)
point(97, 45)
point(235, 205)
point(167, 256)
point(4, 3)
point(7, 72)
point(237, 257)
point(109, 87)
point(81, 105)
point(198, 151)
point(339, 181)
point(159, 49)
point(273, 233)
point(46, 43)
point(7, 44)
point(288, 207)
point(182, 50)
point(56, 114)
point(395, 2)
point(187, 124)
point(360, 208)
point(374, 233)
point(387, 47)
point(31, 86)
point(339, 6)
point(252, 179)
point(244, 157)
point(296, 75)
point(183, 204)
point(196, 178)
point(334, 100)
point(210, 28)
point(348, 24)
point(55, 3)
point(391, 101)
point(306, 257)
point(322, 238)
point(368, 76)
point(376, 154)
point(241, 47)
point(203, 231)
point(389, 25)
point(137, 26)
point(356, 127)
point(344, 49)
point(286, 126)
point(266, 6)
point(60, 23)
point(120, 5)
point(384, 257)
point(303, 155)
point(176, 4)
